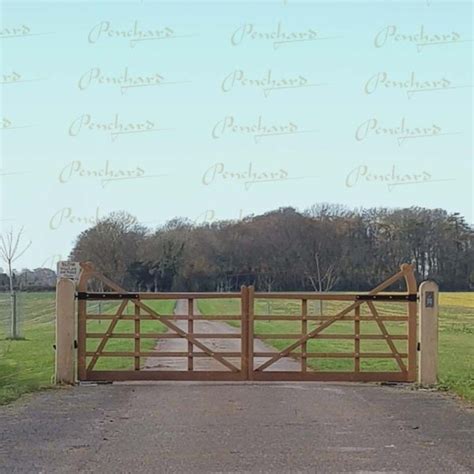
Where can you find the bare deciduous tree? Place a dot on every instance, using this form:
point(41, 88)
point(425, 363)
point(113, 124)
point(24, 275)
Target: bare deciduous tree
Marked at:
point(10, 251)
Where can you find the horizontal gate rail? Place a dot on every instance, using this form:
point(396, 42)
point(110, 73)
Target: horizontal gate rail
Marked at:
point(118, 295)
point(144, 317)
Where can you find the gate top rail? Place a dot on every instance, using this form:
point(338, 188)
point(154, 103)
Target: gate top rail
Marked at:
point(393, 296)
point(93, 296)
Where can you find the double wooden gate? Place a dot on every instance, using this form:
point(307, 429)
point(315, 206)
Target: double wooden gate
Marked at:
point(276, 336)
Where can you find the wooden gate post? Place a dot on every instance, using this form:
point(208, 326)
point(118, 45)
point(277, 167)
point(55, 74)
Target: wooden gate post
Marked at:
point(428, 341)
point(65, 331)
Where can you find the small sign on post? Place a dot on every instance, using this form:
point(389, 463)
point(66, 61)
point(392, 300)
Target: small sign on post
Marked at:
point(70, 270)
point(429, 299)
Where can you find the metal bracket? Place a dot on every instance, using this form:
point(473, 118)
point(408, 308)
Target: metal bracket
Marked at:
point(82, 295)
point(409, 297)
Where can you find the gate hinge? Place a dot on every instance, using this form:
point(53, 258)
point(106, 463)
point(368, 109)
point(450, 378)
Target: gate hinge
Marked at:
point(387, 297)
point(418, 346)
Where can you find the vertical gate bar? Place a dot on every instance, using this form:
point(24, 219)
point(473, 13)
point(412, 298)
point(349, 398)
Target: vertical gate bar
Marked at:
point(412, 341)
point(81, 327)
point(357, 339)
point(137, 336)
point(412, 321)
point(304, 330)
point(190, 331)
point(244, 332)
point(81, 339)
point(250, 313)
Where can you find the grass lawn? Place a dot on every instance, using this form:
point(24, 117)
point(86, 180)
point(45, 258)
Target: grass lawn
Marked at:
point(28, 365)
point(456, 336)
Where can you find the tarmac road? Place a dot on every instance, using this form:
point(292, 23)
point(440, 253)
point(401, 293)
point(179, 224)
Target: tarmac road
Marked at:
point(236, 427)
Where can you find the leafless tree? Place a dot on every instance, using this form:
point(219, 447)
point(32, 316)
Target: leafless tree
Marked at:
point(10, 251)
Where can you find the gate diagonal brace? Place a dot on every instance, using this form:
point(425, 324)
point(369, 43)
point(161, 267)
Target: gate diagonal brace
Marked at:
point(170, 325)
point(387, 336)
point(337, 317)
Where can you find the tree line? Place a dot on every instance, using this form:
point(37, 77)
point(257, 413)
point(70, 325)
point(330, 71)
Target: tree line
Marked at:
point(324, 248)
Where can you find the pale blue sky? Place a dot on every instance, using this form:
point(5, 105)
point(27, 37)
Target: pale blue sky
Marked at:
point(326, 162)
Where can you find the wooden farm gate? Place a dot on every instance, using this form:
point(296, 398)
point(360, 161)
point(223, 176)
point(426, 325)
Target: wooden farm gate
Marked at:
point(364, 334)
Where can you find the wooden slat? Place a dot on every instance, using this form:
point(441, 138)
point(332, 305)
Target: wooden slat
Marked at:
point(334, 355)
point(330, 336)
point(172, 317)
point(304, 331)
point(190, 331)
point(304, 295)
point(244, 327)
point(411, 285)
point(260, 317)
point(161, 335)
point(195, 375)
point(251, 344)
point(270, 376)
point(193, 295)
point(322, 376)
point(269, 317)
point(137, 337)
point(160, 354)
point(357, 339)
point(328, 296)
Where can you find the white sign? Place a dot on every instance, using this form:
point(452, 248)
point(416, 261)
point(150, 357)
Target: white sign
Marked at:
point(69, 270)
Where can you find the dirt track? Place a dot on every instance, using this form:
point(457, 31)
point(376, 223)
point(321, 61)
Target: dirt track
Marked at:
point(218, 345)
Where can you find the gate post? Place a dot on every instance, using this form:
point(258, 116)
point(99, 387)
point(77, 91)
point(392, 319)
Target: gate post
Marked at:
point(428, 341)
point(65, 331)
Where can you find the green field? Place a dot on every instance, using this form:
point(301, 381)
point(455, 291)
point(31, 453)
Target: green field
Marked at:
point(456, 336)
point(28, 365)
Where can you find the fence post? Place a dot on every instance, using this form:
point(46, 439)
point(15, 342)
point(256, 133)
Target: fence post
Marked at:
point(65, 331)
point(428, 340)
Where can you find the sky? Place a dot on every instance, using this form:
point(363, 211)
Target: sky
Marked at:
point(217, 110)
